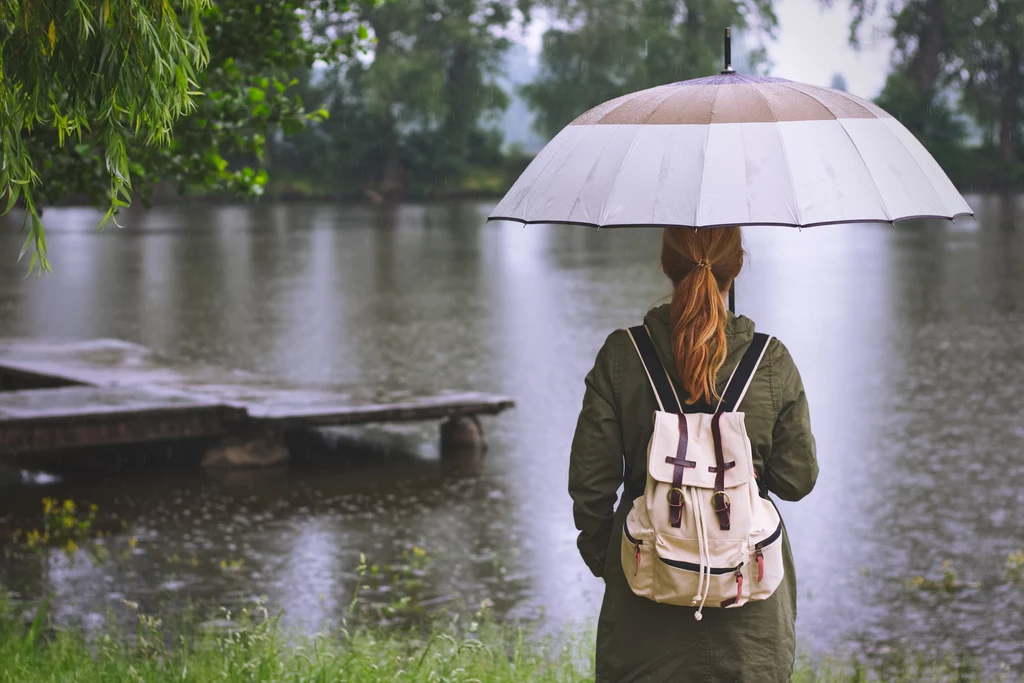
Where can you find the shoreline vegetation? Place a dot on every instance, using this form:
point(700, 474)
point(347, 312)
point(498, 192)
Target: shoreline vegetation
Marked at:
point(398, 641)
point(488, 186)
point(252, 646)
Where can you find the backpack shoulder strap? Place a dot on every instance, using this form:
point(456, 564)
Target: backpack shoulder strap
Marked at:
point(664, 391)
point(741, 377)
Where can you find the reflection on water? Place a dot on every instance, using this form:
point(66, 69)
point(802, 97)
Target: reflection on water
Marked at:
point(908, 339)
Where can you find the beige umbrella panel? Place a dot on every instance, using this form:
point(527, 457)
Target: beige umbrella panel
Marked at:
point(732, 149)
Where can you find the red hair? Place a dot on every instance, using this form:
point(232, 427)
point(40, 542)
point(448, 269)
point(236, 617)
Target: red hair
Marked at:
point(701, 264)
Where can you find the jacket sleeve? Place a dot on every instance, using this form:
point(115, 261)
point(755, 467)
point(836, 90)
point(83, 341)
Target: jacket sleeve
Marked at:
point(596, 460)
point(792, 467)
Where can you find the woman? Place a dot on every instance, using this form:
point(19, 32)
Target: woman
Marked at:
point(699, 342)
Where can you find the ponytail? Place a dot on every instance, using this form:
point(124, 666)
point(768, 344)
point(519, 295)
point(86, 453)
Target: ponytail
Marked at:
point(702, 264)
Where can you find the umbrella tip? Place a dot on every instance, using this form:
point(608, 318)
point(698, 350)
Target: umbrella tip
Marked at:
point(728, 53)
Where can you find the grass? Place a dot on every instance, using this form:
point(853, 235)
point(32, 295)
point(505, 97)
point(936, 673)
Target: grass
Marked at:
point(250, 647)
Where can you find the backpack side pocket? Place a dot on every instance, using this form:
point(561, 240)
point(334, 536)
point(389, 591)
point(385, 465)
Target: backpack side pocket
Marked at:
point(638, 556)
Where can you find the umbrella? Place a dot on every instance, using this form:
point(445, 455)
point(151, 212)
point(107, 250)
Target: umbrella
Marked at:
point(732, 149)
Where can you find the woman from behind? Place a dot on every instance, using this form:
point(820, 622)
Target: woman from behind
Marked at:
point(700, 344)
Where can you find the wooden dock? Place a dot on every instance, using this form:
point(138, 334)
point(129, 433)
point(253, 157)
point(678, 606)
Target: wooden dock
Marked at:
point(57, 395)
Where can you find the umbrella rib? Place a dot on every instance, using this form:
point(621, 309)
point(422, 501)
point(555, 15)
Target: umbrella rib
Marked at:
point(844, 95)
point(665, 156)
point(622, 165)
point(785, 154)
point(593, 167)
point(671, 92)
point(874, 181)
point(931, 187)
point(867, 169)
point(554, 155)
point(704, 156)
point(626, 100)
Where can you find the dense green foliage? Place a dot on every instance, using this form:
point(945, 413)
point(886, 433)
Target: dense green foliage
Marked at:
point(94, 100)
point(421, 114)
point(120, 72)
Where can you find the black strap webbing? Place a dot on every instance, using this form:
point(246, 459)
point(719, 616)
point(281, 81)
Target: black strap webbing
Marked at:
point(745, 370)
point(660, 382)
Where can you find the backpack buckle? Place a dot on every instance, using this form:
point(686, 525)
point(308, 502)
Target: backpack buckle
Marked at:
point(678, 502)
point(724, 510)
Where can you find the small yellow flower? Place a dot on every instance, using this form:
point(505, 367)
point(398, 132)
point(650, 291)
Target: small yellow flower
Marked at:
point(93, 507)
point(69, 505)
point(48, 504)
point(419, 552)
point(132, 542)
point(71, 547)
point(195, 561)
point(223, 564)
point(68, 522)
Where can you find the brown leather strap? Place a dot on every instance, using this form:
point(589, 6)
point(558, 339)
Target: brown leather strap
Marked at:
point(720, 499)
point(675, 494)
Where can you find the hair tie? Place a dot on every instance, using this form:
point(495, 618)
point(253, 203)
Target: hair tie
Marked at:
point(702, 264)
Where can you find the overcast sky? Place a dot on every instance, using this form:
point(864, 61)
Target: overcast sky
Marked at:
point(811, 45)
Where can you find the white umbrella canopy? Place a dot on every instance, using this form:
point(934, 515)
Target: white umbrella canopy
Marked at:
point(732, 149)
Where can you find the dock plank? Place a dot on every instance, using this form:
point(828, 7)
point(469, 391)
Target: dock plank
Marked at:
point(85, 401)
point(77, 416)
point(112, 377)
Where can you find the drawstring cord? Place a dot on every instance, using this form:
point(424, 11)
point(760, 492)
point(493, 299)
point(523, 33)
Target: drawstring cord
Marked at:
point(700, 547)
point(703, 585)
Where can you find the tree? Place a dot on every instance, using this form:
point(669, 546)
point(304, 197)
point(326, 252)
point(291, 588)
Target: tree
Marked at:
point(116, 72)
point(601, 49)
point(992, 75)
point(421, 112)
point(108, 103)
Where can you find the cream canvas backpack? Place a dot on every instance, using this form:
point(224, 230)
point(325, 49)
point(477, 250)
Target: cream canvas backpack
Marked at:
point(701, 534)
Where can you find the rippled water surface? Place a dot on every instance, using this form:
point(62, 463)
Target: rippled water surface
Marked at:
point(910, 341)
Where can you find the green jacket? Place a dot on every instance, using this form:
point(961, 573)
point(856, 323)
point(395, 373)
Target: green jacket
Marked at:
point(640, 640)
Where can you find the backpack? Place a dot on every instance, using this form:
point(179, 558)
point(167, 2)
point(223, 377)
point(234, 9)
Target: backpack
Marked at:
point(701, 533)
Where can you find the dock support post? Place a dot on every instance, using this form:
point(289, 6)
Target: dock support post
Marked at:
point(261, 446)
point(462, 436)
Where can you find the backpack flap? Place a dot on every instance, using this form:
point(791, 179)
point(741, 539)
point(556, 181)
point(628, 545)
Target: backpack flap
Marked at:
point(698, 449)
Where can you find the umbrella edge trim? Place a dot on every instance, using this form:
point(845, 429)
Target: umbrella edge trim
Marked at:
point(524, 221)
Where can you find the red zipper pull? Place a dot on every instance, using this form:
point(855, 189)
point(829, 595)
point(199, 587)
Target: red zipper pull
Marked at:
point(759, 556)
point(637, 549)
point(739, 586)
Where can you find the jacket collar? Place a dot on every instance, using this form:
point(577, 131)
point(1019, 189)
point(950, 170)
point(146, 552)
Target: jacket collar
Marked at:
point(739, 331)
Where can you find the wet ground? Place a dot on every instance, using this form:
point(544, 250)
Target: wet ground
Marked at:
point(908, 338)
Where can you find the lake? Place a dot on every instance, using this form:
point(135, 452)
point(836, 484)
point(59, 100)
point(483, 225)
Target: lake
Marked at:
point(910, 340)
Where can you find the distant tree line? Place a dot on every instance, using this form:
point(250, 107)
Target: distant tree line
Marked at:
point(419, 117)
point(113, 100)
